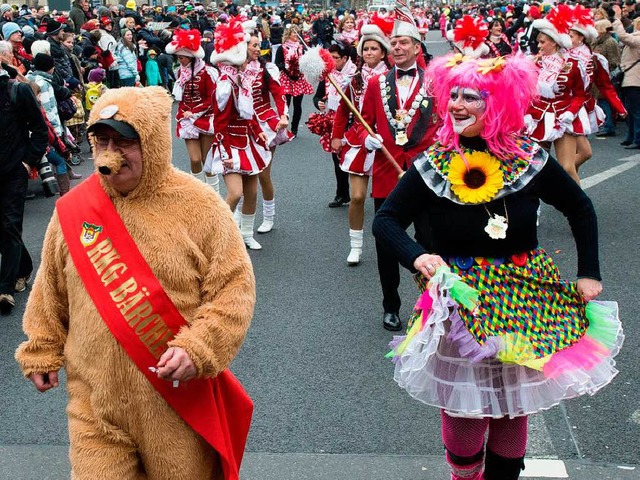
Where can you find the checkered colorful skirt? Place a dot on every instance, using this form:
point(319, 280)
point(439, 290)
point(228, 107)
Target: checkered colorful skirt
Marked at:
point(529, 342)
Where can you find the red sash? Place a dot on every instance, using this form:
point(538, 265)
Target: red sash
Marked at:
point(140, 315)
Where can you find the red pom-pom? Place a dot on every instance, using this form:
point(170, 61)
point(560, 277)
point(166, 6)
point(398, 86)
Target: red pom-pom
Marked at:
point(187, 40)
point(383, 23)
point(561, 17)
point(329, 62)
point(228, 35)
point(583, 16)
point(472, 32)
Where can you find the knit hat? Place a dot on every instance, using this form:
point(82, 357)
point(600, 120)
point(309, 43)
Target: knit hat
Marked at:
point(24, 11)
point(97, 75)
point(43, 62)
point(583, 23)
point(105, 21)
point(89, 26)
point(404, 25)
point(53, 27)
point(556, 25)
point(9, 29)
point(230, 42)
point(131, 4)
point(28, 30)
point(88, 51)
point(186, 43)
point(4, 8)
point(40, 46)
point(378, 29)
point(469, 36)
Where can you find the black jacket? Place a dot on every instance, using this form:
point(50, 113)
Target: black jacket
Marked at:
point(23, 131)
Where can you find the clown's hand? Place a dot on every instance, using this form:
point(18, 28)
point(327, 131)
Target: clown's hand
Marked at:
point(373, 143)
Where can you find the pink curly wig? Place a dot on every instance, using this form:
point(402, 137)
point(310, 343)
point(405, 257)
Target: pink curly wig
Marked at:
point(508, 93)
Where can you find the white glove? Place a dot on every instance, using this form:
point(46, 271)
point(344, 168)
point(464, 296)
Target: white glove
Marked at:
point(566, 119)
point(373, 143)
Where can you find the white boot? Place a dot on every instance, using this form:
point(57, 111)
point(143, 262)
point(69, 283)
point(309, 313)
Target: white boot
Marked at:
point(357, 240)
point(268, 214)
point(199, 175)
point(214, 181)
point(238, 211)
point(246, 229)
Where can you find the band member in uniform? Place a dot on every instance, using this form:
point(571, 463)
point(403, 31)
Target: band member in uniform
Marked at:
point(397, 107)
point(193, 90)
point(274, 123)
point(240, 150)
point(354, 158)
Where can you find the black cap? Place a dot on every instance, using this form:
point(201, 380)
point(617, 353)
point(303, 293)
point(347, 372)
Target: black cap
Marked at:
point(123, 128)
point(53, 27)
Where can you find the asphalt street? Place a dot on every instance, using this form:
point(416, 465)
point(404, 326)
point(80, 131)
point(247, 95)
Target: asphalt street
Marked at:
point(326, 403)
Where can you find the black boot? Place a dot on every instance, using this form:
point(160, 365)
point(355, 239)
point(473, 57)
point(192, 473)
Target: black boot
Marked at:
point(502, 468)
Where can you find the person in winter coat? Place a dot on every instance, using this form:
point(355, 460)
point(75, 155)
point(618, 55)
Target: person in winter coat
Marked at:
point(606, 46)
point(42, 75)
point(630, 64)
point(127, 60)
point(63, 71)
point(151, 70)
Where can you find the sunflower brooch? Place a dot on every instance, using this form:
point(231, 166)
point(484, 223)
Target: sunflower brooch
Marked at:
point(476, 181)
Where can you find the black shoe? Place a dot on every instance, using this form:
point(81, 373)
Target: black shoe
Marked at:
point(605, 134)
point(633, 146)
point(6, 303)
point(391, 322)
point(339, 202)
point(625, 143)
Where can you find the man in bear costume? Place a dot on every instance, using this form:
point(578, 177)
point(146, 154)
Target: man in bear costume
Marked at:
point(146, 395)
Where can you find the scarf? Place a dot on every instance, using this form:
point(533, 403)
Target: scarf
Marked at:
point(583, 54)
point(343, 79)
point(550, 68)
point(348, 37)
point(242, 80)
point(185, 74)
point(367, 73)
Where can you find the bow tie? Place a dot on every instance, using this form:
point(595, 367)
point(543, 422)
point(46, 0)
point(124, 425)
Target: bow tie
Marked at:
point(411, 73)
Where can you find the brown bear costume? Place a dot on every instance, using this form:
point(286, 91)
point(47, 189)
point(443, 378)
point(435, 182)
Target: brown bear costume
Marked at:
point(119, 426)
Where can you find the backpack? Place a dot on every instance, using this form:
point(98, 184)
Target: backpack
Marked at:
point(94, 91)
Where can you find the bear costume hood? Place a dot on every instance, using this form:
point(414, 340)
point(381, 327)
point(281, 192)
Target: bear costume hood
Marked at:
point(148, 112)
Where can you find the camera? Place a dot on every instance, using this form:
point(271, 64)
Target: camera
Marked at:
point(48, 177)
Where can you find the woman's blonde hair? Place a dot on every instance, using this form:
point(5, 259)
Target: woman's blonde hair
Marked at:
point(289, 30)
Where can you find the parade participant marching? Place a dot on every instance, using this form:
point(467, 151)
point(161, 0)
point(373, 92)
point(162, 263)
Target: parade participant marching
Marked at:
point(273, 123)
point(354, 158)
point(497, 334)
point(294, 85)
point(553, 116)
point(240, 148)
point(397, 106)
point(595, 71)
point(194, 89)
point(145, 294)
point(327, 101)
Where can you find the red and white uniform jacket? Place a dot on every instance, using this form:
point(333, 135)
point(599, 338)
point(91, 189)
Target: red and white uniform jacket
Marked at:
point(194, 90)
point(354, 158)
point(264, 86)
point(379, 111)
point(236, 147)
point(562, 95)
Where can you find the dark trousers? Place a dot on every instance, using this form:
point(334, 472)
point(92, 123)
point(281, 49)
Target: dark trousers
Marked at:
point(608, 126)
point(297, 112)
point(632, 104)
point(342, 179)
point(389, 272)
point(16, 261)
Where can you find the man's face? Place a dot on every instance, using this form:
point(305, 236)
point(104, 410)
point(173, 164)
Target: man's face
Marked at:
point(404, 51)
point(130, 173)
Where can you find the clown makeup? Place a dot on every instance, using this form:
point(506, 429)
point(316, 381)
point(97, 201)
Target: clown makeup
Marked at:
point(466, 108)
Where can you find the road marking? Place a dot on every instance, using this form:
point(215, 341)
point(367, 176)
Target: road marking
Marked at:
point(535, 467)
point(635, 417)
point(627, 164)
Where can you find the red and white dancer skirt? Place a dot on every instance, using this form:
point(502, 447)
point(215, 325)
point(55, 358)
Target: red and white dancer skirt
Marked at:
point(198, 124)
point(268, 123)
point(249, 156)
point(295, 87)
point(354, 158)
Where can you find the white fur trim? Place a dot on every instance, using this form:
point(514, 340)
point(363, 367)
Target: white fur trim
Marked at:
point(373, 32)
point(234, 56)
point(587, 31)
point(171, 50)
point(546, 27)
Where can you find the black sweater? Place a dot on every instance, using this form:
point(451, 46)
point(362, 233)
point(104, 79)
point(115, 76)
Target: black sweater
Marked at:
point(458, 230)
